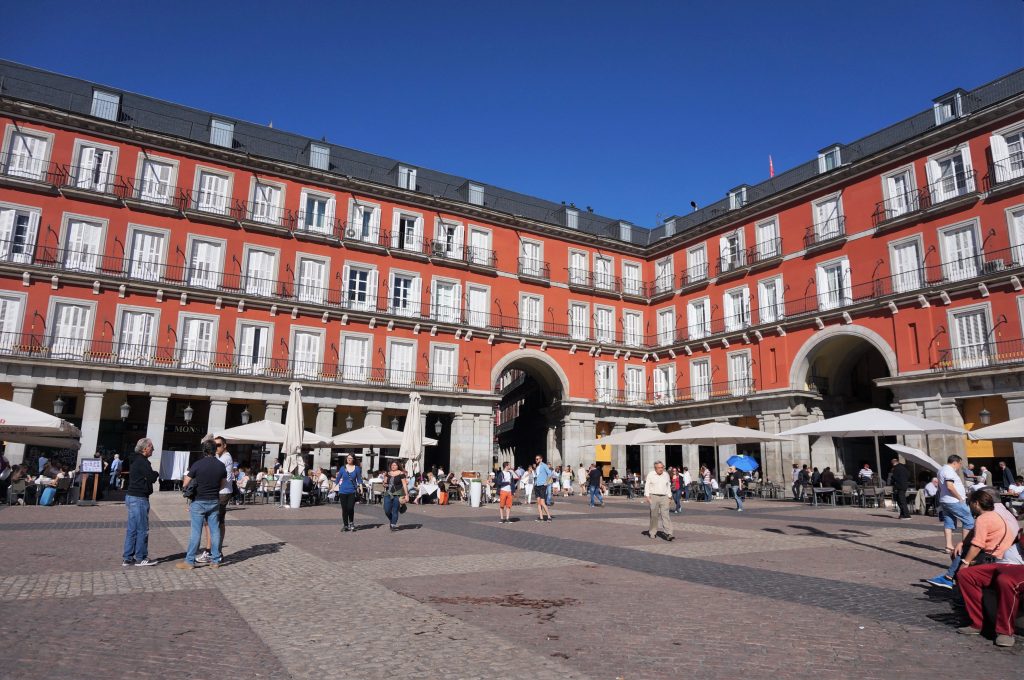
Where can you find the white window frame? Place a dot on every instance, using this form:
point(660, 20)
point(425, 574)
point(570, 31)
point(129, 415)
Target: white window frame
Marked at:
point(218, 273)
point(276, 217)
point(820, 233)
point(663, 339)
point(31, 240)
point(372, 284)
point(442, 382)
point(65, 230)
point(949, 272)
point(735, 388)
point(134, 357)
point(912, 201)
point(197, 190)
point(298, 371)
point(955, 104)
point(599, 281)
point(76, 155)
point(531, 266)
point(668, 395)
point(771, 248)
point(607, 394)
point(531, 326)
point(354, 228)
point(779, 311)
point(577, 276)
point(320, 296)
point(413, 370)
point(632, 287)
point(406, 176)
point(604, 335)
point(102, 100)
point(140, 193)
point(575, 333)
point(11, 339)
point(631, 339)
point(472, 256)
point(662, 283)
point(732, 323)
point(1002, 161)
point(179, 341)
point(732, 260)
point(834, 151)
point(347, 372)
point(705, 303)
point(222, 133)
point(442, 313)
point(633, 395)
point(701, 392)
point(440, 247)
point(261, 288)
point(980, 355)
point(414, 245)
point(415, 292)
point(471, 314)
point(44, 162)
point(845, 296)
point(165, 239)
point(51, 323)
point(319, 156)
point(737, 198)
point(690, 276)
point(935, 191)
point(260, 365)
point(475, 193)
point(1016, 239)
point(330, 208)
point(904, 282)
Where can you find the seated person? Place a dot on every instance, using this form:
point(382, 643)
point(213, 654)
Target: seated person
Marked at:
point(1016, 492)
point(865, 474)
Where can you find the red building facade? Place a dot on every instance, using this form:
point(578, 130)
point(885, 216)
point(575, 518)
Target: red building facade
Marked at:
point(156, 260)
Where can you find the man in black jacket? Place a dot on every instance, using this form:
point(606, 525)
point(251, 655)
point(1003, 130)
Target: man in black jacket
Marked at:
point(136, 498)
point(900, 477)
point(1007, 481)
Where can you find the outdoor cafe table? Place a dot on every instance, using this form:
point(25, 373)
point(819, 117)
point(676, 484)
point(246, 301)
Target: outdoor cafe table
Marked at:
point(827, 491)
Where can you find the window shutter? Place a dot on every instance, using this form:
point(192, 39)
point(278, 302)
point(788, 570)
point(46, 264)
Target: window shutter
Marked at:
point(7, 216)
point(86, 165)
point(415, 293)
point(1000, 157)
point(821, 280)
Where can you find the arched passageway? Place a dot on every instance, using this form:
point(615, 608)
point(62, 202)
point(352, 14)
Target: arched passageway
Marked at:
point(528, 418)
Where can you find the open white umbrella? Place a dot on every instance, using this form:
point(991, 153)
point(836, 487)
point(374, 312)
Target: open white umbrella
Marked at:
point(875, 423)
point(39, 440)
point(374, 436)
point(643, 435)
point(16, 419)
point(715, 434)
point(916, 455)
point(267, 432)
point(291, 446)
point(411, 447)
point(1011, 429)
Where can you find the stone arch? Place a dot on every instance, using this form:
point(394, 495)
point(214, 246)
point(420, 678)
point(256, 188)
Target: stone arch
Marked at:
point(802, 360)
point(540, 364)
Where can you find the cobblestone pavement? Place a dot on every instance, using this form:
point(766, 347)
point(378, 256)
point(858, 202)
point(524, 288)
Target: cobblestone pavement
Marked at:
point(780, 590)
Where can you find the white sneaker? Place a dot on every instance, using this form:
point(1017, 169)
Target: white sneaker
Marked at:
point(204, 558)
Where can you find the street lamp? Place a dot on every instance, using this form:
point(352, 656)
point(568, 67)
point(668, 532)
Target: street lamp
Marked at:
point(125, 410)
point(985, 416)
point(246, 416)
point(188, 413)
point(437, 427)
point(394, 423)
point(349, 421)
point(58, 406)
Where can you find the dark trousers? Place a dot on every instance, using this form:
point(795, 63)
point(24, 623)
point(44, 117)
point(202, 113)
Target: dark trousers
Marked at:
point(901, 500)
point(1007, 579)
point(798, 493)
point(677, 496)
point(392, 504)
point(348, 508)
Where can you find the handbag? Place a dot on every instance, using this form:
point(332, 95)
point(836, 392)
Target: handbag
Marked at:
point(189, 492)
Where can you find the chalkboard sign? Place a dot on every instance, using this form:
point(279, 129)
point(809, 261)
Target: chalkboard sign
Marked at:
point(92, 465)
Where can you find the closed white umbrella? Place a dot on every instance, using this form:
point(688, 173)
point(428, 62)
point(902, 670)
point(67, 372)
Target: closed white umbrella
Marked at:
point(411, 447)
point(291, 446)
point(916, 455)
point(875, 422)
point(1011, 429)
point(267, 432)
point(16, 419)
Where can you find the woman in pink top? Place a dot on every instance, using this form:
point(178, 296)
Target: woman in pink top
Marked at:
point(992, 534)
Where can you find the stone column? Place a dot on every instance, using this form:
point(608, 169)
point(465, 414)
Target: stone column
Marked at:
point(1015, 405)
point(577, 431)
point(91, 412)
point(619, 451)
point(324, 428)
point(155, 426)
point(466, 454)
point(218, 416)
point(16, 452)
point(772, 466)
point(274, 413)
point(374, 417)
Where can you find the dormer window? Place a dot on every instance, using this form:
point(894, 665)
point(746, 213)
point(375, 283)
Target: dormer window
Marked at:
point(319, 156)
point(105, 105)
point(626, 231)
point(406, 177)
point(475, 193)
point(670, 227)
point(222, 133)
point(737, 198)
point(948, 107)
point(829, 159)
point(572, 218)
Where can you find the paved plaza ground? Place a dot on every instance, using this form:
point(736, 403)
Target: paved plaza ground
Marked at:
point(778, 591)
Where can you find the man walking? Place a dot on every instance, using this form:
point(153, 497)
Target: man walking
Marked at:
point(210, 476)
point(796, 482)
point(952, 509)
point(505, 483)
point(900, 480)
point(224, 456)
point(136, 498)
point(594, 486)
point(1007, 476)
point(735, 481)
point(115, 470)
point(656, 492)
point(542, 482)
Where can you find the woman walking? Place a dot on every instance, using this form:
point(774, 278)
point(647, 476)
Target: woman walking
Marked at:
point(348, 481)
point(528, 484)
point(677, 489)
point(735, 482)
point(567, 481)
point(705, 480)
point(396, 494)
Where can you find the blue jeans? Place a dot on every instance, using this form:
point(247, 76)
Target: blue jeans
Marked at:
point(391, 506)
point(202, 512)
point(686, 492)
point(547, 497)
point(595, 492)
point(950, 513)
point(677, 496)
point(113, 480)
point(738, 496)
point(136, 537)
point(709, 493)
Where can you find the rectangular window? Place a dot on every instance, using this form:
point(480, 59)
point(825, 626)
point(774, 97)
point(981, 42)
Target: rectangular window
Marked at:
point(1015, 220)
point(155, 182)
point(401, 362)
point(736, 304)
point(260, 272)
point(26, 156)
point(407, 178)
point(907, 272)
point(771, 307)
point(212, 193)
point(950, 175)
point(253, 349)
point(731, 249)
point(204, 263)
point(106, 105)
point(827, 219)
point(18, 235)
point(632, 329)
point(360, 288)
point(572, 218)
point(737, 198)
point(83, 245)
point(696, 264)
point(135, 345)
point(11, 315)
point(405, 294)
point(222, 133)
point(625, 232)
point(664, 384)
point(266, 203)
point(1008, 155)
point(320, 156)
point(579, 270)
point(307, 349)
point(317, 213)
point(700, 379)
point(407, 233)
point(698, 318)
point(480, 247)
point(666, 326)
point(579, 328)
point(947, 109)
point(604, 324)
point(531, 320)
point(445, 301)
point(631, 279)
point(477, 303)
point(664, 280)
point(768, 243)
point(971, 345)
point(833, 281)
point(900, 197)
point(531, 258)
point(71, 329)
point(448, 242)
point(147, 255)
point(365, 223)
point(311, 283)
point(442, 367)
point(829, 160)
point(355, 357)
point(603, 276)
point(962, 258)
point(636, 389)
point(94, 169)
point(740, 383)
point(475, 194)
point(195, 343)
point(605, 383)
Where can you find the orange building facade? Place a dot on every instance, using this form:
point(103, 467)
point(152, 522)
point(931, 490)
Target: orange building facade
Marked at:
point(158, 262)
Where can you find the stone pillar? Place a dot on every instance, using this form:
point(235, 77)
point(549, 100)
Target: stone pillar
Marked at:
point(1015, 405)
point(324, 428)
point(374, 417)
point(577, 431)
point(772, 466)
point(155, 426)
point(91, 412)
point(466, 453)
point(618, 451)
point(483, 437)
point(16, 452)
point(218, 416)
point(274, 413)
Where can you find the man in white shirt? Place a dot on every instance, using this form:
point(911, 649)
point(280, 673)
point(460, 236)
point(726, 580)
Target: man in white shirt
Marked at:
point(952, 510)
point(657, 490)
point(226, 492)
point(865, 474)
point(687, 481)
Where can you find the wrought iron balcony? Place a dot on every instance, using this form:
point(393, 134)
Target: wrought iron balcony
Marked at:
point(537, 270)
point(827, 233)
point(993, 353)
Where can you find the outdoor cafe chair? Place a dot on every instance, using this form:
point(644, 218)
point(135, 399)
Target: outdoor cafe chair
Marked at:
point(17, 489)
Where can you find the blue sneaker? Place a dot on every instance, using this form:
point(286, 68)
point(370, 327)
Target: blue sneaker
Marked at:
point(941, 582)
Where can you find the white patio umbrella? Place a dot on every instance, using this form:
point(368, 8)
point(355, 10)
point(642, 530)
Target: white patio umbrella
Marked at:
point(1011, 429)
point(643, 435)
point(715, 434)
point(39, 440)
point(267, 432)
point(411, 447)
point(291, 446)
point(875, 423)
point(16, 419)
point(374, 436)
point(916, 455)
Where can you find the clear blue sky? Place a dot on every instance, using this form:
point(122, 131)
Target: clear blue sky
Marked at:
point(634, 108)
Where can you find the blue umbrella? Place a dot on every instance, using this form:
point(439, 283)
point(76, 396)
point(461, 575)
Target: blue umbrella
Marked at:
point(744, 463)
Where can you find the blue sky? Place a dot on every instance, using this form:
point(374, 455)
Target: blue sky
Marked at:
point(632, 108)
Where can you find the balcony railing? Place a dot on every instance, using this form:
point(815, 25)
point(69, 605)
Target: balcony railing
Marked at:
point(481, 257)
point(732, 263)
point(214, 204)
point(534, 269)
point(662, 285)
point(899, 206)
point(714, 391)
point(319, 224)
point(258, 212)
point(83, 351)
point(765, 251)
point(1006, 170)
point(951, 186)
point(24, 167)
point(981, 355)
point(152, 192)
point(829, 231)
point(694, 275)
point(90, 179)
